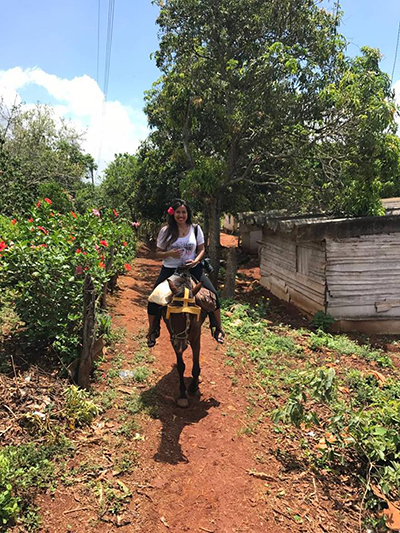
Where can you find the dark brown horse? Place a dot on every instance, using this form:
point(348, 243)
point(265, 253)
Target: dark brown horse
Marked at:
point(184, 320)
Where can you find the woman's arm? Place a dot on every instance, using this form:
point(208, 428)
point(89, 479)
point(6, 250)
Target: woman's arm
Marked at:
point(163, 254)
point(200, 254)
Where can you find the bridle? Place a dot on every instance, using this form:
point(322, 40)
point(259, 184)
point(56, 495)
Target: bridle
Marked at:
point(186, 305)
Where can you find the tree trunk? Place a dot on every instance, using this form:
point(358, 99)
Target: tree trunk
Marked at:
point(206, 225)
point(230, 278)
point(86, 358)
point(214, 246)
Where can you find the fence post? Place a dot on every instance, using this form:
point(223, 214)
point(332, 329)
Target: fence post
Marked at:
point(108, 268)
point(86, 358)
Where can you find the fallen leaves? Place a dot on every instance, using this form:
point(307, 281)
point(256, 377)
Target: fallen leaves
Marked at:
point(392, 513)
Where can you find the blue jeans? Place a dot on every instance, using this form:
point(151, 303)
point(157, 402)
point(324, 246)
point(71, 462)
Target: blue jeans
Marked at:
point(197, 272)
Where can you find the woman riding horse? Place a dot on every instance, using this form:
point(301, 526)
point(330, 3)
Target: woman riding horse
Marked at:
point(180, 244)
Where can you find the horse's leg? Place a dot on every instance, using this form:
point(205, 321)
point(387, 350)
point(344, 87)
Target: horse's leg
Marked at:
point(194, 384)
point(182, 400)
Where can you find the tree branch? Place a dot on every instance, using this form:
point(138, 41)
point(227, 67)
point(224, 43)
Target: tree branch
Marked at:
point(185, 137)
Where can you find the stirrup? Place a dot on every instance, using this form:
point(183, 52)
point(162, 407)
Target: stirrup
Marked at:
point(219, 335)
point(151, 337)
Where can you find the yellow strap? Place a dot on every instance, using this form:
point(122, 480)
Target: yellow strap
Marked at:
point(193, 310)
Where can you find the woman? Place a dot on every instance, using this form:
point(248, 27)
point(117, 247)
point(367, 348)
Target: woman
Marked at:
point(178, 245)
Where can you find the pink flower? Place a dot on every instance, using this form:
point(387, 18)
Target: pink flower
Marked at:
point(30, 219)
point(96, 213)
point(78, 270)
point(171, 211)
point(39, 203)
point(135, 224)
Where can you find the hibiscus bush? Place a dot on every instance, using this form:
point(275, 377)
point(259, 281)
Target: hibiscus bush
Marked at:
point(45, 258)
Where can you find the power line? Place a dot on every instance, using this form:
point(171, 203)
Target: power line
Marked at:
point(110, 29)
point(395, 55)
point(98, 40)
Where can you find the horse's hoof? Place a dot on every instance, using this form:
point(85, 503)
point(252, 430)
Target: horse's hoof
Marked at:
point(183, 402)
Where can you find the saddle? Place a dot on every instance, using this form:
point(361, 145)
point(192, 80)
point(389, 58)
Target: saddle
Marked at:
point(162, 294)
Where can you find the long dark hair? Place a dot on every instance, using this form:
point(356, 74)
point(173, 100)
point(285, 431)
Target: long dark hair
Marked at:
point(172, 232)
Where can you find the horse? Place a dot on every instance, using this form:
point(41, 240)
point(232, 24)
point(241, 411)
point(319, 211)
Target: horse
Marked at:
point(184, 320)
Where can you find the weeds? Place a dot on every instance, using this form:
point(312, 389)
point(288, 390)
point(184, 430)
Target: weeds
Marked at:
point(79, 408)
point(342, 345)
point(355, 415)
point(24, 470)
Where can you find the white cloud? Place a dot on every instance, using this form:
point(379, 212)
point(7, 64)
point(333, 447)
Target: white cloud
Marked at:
point(111, 127)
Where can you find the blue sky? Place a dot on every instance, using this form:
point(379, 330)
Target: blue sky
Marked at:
point(59, 40)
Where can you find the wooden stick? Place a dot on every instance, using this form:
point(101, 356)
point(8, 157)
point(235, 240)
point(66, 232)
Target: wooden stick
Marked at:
point(76, 509)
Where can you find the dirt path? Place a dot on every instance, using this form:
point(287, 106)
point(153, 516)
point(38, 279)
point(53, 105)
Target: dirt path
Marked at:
point(159, 468)
point(197, 459)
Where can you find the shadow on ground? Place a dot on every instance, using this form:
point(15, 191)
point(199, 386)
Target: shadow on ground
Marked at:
point(162, 403)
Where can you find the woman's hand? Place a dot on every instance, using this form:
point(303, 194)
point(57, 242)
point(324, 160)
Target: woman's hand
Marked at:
point(191, 263)
point(176, 253)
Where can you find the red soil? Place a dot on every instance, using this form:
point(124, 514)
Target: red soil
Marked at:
point(195, 467)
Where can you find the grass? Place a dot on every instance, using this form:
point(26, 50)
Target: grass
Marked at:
point(342, 345)
point(354, 415)
point(24, 470)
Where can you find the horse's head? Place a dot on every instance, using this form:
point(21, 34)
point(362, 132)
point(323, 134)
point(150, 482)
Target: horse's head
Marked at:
point(182, 311)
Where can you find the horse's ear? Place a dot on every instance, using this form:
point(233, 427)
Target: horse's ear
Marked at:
point(173, 287)
point(197, 288)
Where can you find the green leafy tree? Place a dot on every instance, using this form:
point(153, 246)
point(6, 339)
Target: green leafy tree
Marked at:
point(36, 148)
point(119, 187)
point(358, 149)
point(264, 103)
point(238, 80)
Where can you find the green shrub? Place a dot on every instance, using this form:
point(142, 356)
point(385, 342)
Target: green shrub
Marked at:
point(45, 258)
point(322, 321)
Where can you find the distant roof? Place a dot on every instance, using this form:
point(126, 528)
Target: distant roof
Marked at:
point(319, 227)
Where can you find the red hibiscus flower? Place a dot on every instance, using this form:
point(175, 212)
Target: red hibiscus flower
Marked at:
point(42, 229)
point(73, 214)
point(48, 201)
point(115, 212)
point(128, 267)
point(102, 265)
point(3, 245)
point(104, 243)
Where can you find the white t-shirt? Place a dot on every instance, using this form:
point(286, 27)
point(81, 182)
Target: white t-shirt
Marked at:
point(187, 244)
